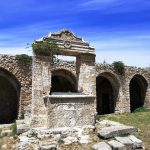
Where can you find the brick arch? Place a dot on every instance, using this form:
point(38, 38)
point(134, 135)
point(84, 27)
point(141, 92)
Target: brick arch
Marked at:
point(138, 88)
point(66, 80)
point(107, 89)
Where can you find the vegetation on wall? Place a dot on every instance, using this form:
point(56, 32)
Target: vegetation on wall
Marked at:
point(24, 58)
point(45, 48)
point(119, 67)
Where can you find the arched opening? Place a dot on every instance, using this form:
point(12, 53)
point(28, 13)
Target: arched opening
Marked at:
point(63, 81)
point(138, 87)
point(107, 88)
point(9, 97)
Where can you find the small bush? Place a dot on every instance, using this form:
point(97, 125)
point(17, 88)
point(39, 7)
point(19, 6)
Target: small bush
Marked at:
point(45, 48)
point(24, 58)
point(119, 67)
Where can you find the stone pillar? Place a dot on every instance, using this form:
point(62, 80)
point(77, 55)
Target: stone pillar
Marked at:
point(41, 83)
point(86, 73)
point(147, 97)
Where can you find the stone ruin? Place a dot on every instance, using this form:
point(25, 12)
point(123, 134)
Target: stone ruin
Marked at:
point(68, 94)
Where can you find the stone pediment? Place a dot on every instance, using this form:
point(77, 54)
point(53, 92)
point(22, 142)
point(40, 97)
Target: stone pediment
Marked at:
point(65, 35)
point(69, 43)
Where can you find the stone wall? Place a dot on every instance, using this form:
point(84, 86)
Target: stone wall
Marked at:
point(22, 72)
point(23, 75)
point(70, 110)
point(122, 84)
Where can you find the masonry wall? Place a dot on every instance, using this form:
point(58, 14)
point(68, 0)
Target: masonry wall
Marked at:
point(23, 74)
point(122, 84)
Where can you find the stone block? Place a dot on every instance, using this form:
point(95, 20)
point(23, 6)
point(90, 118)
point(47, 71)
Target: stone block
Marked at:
point(6, 133)
point(125, 140)
point(101, 146)
point(117, 145)
point(136, 142)
point(112, 131)
point(21, 128)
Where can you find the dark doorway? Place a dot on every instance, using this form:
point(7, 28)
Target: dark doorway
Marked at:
point(138, 87)
point(62, 81)
point(9, 98)
point(105, 101)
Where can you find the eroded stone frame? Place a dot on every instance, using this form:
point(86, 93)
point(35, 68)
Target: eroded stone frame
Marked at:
point(45, 107)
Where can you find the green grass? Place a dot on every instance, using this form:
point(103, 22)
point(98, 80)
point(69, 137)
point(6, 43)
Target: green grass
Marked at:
point(14, 128)
point(140, 119)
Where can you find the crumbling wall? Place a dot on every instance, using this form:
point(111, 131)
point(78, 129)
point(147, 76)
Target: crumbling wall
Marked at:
point(23, 73)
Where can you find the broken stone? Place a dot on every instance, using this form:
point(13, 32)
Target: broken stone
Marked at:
point(101, 146)
point(112, 131)
point(125, 140)
point(6, 133)
point(69, 140)
point(48, 147)
point(84, 139)
point(21, 128)
point(117, 145)
point(136, 142)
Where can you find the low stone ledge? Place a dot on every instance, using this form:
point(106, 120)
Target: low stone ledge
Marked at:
point(110, 132)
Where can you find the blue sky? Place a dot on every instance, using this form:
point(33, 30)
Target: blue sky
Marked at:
point(118, 29)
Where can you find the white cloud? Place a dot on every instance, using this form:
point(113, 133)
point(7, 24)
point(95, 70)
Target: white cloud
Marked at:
point(15, 50)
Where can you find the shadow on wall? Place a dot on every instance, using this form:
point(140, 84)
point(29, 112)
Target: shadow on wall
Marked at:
point(9, 97)
point(63, 81)
point(138, 88)
point(107, 88)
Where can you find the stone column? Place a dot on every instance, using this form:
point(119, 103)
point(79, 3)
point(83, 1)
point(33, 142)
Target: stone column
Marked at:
point(147, 97)
point(41, 83)
point(86, 73)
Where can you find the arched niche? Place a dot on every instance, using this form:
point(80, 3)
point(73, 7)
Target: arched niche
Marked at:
point(63, 81)
point(138, 87)
point(9, 97)
point(107, 88)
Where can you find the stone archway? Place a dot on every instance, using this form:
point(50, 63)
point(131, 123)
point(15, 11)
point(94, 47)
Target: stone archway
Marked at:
point(9, 97)
point(63, 81)
point(107, 88)
point(138, 88)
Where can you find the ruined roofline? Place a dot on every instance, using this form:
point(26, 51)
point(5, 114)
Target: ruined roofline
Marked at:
point(73, 62)
point(69, 43)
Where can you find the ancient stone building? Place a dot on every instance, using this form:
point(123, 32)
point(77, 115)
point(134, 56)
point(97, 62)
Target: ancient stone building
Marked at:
point(58, 94)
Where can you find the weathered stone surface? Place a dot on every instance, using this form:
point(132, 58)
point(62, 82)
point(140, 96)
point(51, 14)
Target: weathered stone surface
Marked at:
point(72, 108)
point(101, 146)
point(7, 132)
point(21, 128)
point(109, 132)
point(42, 137)
point(117, 145)
point(23, 74)
point(84, 139)
point(70, 140)
point(125, 140)
point(136, 142)
point(48, 147)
